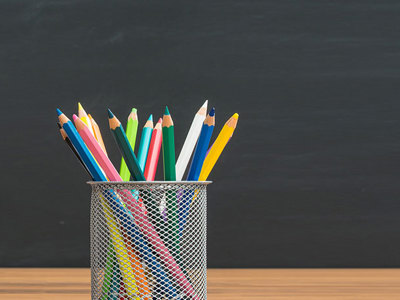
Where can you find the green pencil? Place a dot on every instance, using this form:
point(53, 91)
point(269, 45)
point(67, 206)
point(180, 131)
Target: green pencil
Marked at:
point(131, 131)
point(168, 148)
point(125, 147)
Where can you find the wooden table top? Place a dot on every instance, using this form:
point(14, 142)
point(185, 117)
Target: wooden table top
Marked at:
point(232, 284)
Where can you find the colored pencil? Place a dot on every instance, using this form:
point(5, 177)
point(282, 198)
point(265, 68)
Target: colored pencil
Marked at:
point(145, 142)
point(131, 131)
point(110, 275)
point(121, 252)
point(125, 147)
point(97, 133)
point(195, 167)
point(80, 147)
point(84, 117)
point(218, 147)
point(98, 175)
point(154, 152)
point(168, 147)
point(190, 141)
point(113, 175)
point(96, 150)
point(68, 142)
point(201, 147)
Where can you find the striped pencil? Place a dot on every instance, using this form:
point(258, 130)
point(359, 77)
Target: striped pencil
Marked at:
point(97, 133)
point(145, 142)
point(190, 141)
point(154, 152)
point(84, 117)
point(131, 131)
point(218, 146)
point(125, 147)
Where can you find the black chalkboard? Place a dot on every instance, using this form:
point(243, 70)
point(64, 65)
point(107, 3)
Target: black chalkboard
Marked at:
point(309, 178)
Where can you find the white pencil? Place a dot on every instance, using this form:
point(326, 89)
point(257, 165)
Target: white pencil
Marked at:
point(190, 142)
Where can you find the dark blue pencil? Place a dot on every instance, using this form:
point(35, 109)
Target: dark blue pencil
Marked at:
point(202, 146)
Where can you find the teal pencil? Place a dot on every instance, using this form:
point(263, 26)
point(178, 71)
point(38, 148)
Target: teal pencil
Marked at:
point(125, 147)
point(145, 143)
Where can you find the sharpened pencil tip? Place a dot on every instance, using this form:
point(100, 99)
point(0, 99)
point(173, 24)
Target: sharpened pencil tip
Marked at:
point(80, 106)
point(166, 111)
point(59, 112)
point(110, 114)
point(160, 120)
point(205, 104)
point(151, 117)
point(212, 112)
point(74, 117)
point(134, 110)
point(235, 116)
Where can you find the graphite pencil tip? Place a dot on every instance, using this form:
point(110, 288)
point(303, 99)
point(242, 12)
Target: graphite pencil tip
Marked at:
point(59, 112)
point(212, 112)
point(166, 111)
point(110, 114)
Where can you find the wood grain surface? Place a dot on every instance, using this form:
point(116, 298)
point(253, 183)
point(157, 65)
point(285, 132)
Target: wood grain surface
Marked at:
point(280, 284)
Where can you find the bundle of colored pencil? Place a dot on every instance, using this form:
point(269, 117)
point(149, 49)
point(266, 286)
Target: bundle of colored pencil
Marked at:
point(84, 138)
point(143, 166)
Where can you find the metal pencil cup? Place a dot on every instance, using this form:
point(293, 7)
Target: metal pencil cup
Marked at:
point(148, 240)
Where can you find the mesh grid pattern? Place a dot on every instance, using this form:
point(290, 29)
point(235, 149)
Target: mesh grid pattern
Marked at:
point(148, 240)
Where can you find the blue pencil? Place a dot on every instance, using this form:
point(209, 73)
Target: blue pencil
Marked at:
point(145, 142)
point(202, 146)
point(195, 166)
point(81, 147)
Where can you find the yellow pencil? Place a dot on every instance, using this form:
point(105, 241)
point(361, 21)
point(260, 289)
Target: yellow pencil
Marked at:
point(218, 146)
point(117, 239)
point(84, 117)
point(97, 133)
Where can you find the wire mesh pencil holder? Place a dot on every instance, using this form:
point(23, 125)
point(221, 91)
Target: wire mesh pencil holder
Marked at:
point(148, 240)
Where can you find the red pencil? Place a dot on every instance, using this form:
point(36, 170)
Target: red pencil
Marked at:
point(154, 152)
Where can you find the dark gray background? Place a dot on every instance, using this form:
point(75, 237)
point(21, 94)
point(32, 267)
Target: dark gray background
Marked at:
point(310, 178)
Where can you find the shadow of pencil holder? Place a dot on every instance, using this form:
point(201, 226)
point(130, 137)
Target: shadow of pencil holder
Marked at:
point(148, 240)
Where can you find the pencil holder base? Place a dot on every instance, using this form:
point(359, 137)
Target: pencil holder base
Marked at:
point(148, 240)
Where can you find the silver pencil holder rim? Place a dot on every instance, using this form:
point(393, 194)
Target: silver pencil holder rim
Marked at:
point(148, 182)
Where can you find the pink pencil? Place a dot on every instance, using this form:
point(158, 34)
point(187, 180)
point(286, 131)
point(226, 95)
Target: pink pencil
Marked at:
point(139, 212)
